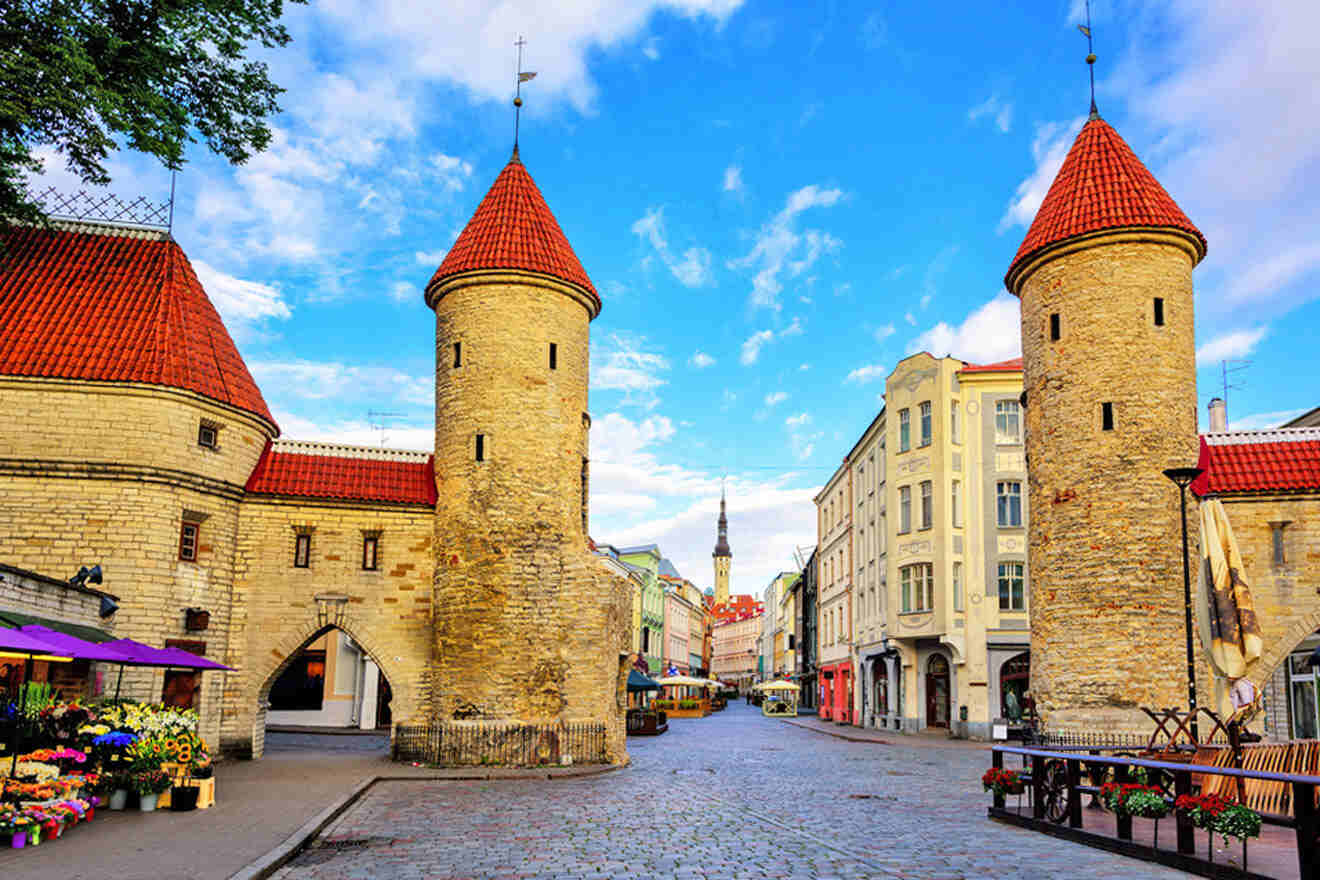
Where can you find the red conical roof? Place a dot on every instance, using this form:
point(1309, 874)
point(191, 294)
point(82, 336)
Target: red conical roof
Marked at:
point(514, 229)
point(1102, 185)
point(116, 305)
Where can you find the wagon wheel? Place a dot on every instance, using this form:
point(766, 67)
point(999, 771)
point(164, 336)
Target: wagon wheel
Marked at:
point(1054, 793)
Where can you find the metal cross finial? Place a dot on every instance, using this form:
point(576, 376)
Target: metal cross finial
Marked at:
point(523, 76)
point(1090, 57)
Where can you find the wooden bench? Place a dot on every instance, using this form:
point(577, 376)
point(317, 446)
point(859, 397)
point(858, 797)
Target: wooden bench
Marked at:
point(1263, 796)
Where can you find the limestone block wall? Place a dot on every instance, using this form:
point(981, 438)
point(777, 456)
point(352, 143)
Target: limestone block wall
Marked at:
point(1105, 553)
point(105, 473)
point(276, 610)
point(525, 628)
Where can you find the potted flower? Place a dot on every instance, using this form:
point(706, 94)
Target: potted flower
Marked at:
point(1217, 815)
point(150, 784)
point(118, 785)
point(1002, 782)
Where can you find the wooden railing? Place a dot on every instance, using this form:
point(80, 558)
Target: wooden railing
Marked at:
point(1056, 780)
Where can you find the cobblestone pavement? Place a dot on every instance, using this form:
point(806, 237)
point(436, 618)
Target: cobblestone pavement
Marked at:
point(731, 796)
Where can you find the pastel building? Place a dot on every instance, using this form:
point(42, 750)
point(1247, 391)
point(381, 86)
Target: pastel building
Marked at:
point(651, 614)
point(834, 550)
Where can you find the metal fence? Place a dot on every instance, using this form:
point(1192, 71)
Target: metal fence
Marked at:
point(1092, 739)
point(507, 743)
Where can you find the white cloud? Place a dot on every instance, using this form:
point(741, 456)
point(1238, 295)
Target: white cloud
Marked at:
point(357, 433)
point(910, 318)
point(780, 248)
point(990, 333)
point(1273, 272)
point(751, 347)
point(1049, 148)
point(620, 362)
point(243, 305)
point(733, 181)
point(798, 420)
point(1229, 346)
point(651, 49)
point(867, 374)
point(996, 109)
point(794, 328)
point(701, 360)
point(775, 398)
point(884, 332)
point(337, 381)
point(452, 172)
point(430, 258)
point(692, 269)
point(402, 291)
point(804, 368)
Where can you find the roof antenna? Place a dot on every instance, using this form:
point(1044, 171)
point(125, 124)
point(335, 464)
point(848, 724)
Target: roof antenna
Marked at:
point(1090, 57)
point(517, 97)
point(173, 174)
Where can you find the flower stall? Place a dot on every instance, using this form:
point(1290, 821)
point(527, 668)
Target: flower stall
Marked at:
point(67, 759)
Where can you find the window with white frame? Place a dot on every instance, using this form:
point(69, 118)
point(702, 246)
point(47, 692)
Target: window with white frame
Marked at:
point(955, 432)
point(1008, 421)
point(904, 430)
point(955, 503)
point(917, 585)
point(1012, 596)
point(957, 587)
point(926, 426)
point(927, 504)
point(1008, 495)
point(904, 510)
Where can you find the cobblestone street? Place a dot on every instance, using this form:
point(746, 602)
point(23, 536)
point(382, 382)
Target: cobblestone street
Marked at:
point(731, 796)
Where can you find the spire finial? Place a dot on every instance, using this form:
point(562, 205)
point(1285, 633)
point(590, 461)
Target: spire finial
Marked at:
point(1090, 57)
point(523, 76)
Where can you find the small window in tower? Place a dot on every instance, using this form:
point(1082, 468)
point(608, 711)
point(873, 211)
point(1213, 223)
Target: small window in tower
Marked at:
point(370, 544)
point(1159, 311)
point(302, 551)
point(189, 533)
point(1054, 327)
point(458, 355)
point(1107, 416)
point(554, 356)
point(481, 447)
point(207, 435)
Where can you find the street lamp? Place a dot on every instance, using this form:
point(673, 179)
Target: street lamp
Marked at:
point(1183, 477)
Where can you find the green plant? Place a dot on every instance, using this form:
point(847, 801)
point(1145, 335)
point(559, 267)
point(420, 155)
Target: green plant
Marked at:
point(149, 782)
point(689, 704)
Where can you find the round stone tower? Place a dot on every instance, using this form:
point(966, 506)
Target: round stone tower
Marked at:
point(524, 634)
point(1109, 364)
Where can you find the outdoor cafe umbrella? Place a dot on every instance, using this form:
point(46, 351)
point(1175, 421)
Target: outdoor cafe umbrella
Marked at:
point(779, 685)
point(138, 654)
point(639, 682)
point(1225, 612)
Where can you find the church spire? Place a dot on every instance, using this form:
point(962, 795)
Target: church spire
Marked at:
point(722, 543)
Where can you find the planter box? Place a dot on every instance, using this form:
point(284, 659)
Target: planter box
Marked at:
point(205, 797)
point(686, 713)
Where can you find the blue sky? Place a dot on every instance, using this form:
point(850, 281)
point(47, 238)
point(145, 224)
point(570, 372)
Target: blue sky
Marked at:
point(776, 204)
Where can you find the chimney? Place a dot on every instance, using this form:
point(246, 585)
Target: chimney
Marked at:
point(1218, 415)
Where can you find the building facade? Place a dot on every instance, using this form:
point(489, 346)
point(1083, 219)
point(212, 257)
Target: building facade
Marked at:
point(872, 658)
point(651, 629)
point(808, 642)
point(834, 567)
point(735, 640)
point(189, 499)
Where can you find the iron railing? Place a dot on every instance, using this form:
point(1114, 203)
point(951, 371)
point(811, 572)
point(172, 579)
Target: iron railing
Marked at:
point(102, 207)
point(506, 743)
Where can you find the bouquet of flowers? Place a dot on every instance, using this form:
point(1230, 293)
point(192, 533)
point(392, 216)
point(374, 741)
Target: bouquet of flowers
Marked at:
point(30, 769)
point(1216, 814)
point(151, 781)
point(1134, 799)
point(60, 722)
point(1002, 782)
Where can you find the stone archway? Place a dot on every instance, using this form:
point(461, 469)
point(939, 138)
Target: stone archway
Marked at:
point(284, 648)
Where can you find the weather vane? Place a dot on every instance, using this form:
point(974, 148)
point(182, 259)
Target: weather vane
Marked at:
point(523, 76)
point(1090, 57)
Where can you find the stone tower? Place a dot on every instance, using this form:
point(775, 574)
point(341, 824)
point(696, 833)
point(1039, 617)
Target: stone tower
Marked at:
point(723, 557)
point(1105, 280)
point(529, 630)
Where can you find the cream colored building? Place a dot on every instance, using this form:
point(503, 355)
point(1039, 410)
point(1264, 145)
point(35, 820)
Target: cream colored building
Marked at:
point(785, 644)
point(736, 643)
point(834, 565)
point(872, 658)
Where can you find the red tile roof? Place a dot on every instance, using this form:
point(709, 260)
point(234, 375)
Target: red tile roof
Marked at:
point(1282, 460)
point(111, 304)
point(1102, 185)
point(514, 229)
point(1009, 366)
point(344, 473)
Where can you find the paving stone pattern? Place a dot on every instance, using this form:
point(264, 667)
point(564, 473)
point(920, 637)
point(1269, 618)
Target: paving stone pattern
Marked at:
point(731, 796)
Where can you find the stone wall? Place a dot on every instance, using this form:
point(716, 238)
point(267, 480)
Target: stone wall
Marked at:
point(527, 626)
point(278, 608)
point(1105, 557)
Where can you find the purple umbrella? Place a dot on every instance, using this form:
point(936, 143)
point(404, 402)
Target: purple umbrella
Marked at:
point(26, 643)
point(194, 661)
point(138, 654)
point(78, 649)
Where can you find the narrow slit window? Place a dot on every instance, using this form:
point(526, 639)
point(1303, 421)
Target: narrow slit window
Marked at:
point(481, 447)
point(1107, 416)
point(458, 355)
point(1054, 327)
point(370, 543)
point(188, 536)
point(1159, 311)
point(554, 356)
point(302, 551)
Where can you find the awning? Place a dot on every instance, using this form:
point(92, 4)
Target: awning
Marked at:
point(19, 644)
point(78, 631)
point(639, 682)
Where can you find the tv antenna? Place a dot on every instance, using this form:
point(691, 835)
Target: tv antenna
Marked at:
point(377, 419)
point(1226, 374)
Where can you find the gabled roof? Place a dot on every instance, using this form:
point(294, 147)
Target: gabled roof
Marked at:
point(514, 229)
point(1009, 366)
point(115, 304)
point(1282, 460)
point(1102, 185)
point(298, 469)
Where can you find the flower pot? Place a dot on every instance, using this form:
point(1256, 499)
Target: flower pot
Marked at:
point(118, 798)
point(184, 798)
point(19, 840)
point(148, 803)
point(90, 814)
point(34, 836)
point(1015, 788)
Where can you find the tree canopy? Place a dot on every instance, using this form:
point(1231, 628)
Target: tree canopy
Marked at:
point(87, 77)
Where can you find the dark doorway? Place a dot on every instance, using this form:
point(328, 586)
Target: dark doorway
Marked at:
point(1014, 676)
point(383, 697)
point(937, 691)
point(302, 685)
